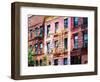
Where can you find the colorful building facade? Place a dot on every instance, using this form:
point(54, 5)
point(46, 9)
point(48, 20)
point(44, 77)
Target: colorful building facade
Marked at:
point(64, 40)
point(79, 40)
point(36, 38)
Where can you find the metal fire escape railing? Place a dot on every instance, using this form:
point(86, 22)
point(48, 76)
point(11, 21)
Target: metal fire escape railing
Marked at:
point(60, 37)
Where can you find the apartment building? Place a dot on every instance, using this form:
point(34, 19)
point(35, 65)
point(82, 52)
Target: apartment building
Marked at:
point(79, 40)
point(59, 40)
point(56, 40)
point(36, 38)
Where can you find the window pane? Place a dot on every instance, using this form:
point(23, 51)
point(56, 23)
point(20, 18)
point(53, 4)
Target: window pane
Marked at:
point(85, 21)
point(75, 21)
point(31, 33)
point(85, 39)
point(65, 61)
point(41, 31)
point(48, 47)
point(37, 63)
point(56, 26)
point(76, 41)
point(48, 30)
point(75, 60)
point(41, 45)
point(36, 48)
point(65, 43)
point(40, 62)
point(66, 23)
point(36, 31)
point(56, 44)
point(56, 62)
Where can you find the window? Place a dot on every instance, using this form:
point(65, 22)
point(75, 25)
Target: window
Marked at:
point(56, 62)
point(36, 48)
point(85, 39)
point(75, 60)
point(65, 62)
point(65, 43)
point(85, 21)
point(48, 30)
point(75, 21)
point(40, 62)
point(66, 23)
point(48, 47)
point(37, 63)
point(31, 33)
point(36, 31)
point(49, 62)
point(41, 31)
point(56, 44)
point(41, 45)
point(56, 27)
point(76, 41)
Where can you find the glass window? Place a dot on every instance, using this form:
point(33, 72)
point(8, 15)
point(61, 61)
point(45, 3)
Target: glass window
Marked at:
point(41, 45)
point(48, 47)
point(48, 30)
point(75, 21)
point(56, 44)
point(85, 39)
point(41, 31)
point(66, 23)
point(76, 41)
point(56, 26)
point(56, 62)
point(31, 33)
point(40, 62)
point(37, 63)
point(65, 43)
point(75, 60)
point(36, 31)
point(85, 21)
point(65, 62)
point(36, 48)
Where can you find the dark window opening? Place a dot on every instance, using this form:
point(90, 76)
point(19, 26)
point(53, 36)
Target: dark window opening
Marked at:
point(41, 31)
point(48, 47)
point(65, 62)
point(56, 27)
point(36, 31)
point(56, 62)
point(75, 60)
point(85, 21)
point(66, 23)
point(65, 43)
point(49, 63)
point(40, 62)
point(37, 63)
point(48, 30)
point(41, 46)
point(31, 33)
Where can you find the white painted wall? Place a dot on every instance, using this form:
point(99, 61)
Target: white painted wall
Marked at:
point(5, 40)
